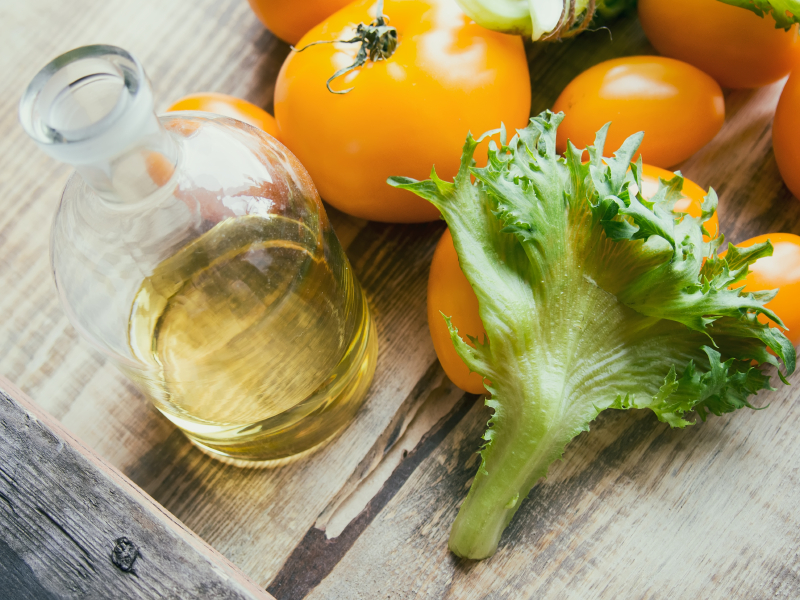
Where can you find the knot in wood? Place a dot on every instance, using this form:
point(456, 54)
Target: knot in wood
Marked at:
point(124, 554)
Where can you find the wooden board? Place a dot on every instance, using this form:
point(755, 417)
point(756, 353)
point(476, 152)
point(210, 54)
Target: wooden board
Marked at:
point(72, 525)
point(634, 510)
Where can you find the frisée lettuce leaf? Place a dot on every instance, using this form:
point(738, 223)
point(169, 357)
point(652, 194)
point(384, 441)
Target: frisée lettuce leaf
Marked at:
point(592, 297)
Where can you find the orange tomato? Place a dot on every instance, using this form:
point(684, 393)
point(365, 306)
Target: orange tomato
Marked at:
point(290, 21)
point(448, 76)
point(786, 134)
point(735, 46)
point(679, 108)
point(779, 271)
point(450, 293)
point(693, 195)
point(229, 106)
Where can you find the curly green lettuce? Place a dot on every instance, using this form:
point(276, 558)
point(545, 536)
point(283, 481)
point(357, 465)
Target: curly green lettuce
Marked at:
point(592, 297)
point(785, 12)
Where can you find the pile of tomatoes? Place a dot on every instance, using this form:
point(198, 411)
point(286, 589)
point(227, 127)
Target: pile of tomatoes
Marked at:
point(448, 76)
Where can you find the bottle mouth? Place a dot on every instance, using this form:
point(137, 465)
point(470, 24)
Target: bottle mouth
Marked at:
point(86, 104)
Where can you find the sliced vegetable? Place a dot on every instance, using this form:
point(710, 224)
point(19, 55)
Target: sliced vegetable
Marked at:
point(591, 298)
point(679, 108)
point(409, 110)
point(734, 46)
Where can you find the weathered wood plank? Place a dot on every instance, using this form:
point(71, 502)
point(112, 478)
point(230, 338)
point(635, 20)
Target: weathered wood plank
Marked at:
point(635, 510)
point(71, 525)
point(320, 550)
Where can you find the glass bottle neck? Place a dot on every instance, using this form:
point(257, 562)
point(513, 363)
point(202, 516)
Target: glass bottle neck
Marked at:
point(139, 171)
point(93, 108)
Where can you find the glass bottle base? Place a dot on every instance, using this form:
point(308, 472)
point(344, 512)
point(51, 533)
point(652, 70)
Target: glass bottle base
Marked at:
point(300, 430)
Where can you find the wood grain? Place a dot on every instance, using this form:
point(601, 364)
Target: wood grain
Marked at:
point(634, 510)
point(71, 525)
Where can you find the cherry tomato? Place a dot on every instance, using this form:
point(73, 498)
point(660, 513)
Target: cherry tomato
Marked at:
point(405, 114)
point(450, 293)
point(693, 195)
point(229, 106)
point(290, 21)
point(735, 46)
point(679, 108)
point(779, 271)
point(786, 133)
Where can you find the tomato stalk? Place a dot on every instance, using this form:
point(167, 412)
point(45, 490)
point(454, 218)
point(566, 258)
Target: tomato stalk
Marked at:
point(378, 42)
point(574, 19)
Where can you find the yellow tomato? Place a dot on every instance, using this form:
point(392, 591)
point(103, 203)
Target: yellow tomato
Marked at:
point(693, 195)
point(679, 108)
point(735, 46)
point(229, 106)
point(779, 271)
point(786, 133)
point(447, 77)
point(450, 293)
point(290, 20)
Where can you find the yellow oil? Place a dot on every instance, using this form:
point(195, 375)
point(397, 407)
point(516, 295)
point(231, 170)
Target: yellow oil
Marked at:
point(257, 339)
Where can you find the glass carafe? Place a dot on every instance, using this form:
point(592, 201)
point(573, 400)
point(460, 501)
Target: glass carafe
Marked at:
point(194, 252)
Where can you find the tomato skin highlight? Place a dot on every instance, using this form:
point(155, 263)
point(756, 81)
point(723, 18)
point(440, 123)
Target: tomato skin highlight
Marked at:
point(735, 46)
point(290, 23)
point(229, 106)
point(779, 271)
point(679, 108)
point(450, 293)
point(405, 114)
point(786, 133)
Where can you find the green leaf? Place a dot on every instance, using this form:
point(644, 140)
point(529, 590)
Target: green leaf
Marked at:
point(785, 12)
point(592, 297)
point(719, 387)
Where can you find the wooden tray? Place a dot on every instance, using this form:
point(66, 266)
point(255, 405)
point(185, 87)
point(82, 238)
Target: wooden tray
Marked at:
point(634, 509)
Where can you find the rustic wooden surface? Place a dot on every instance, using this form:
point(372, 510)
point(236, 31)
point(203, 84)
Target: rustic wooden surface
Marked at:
point(635, 510)
point(74, 526)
